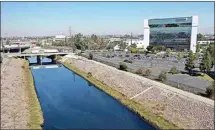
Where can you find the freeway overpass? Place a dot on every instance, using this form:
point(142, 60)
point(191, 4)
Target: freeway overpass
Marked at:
point(15, 47)
point(35, 54)
point(39, 56)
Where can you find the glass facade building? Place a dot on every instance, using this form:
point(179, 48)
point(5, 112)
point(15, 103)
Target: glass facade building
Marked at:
point(174, 33)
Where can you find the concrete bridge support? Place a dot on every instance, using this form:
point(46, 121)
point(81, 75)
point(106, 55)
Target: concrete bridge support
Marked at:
point(53, 58)
point(39, 60)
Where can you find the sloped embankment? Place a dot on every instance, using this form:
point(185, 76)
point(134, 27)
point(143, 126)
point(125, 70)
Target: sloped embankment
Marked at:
point(35, 113)
point(20, 108)
point(14, 106)
point(163, 102)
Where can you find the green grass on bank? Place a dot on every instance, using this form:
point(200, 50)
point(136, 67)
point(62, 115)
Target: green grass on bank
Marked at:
point(156, 120)
point(205, 76)
point(36, 116)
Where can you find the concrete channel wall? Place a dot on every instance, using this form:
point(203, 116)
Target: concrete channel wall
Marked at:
point(184, 109)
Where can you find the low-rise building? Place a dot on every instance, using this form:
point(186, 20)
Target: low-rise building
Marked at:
point(60, 38)
point(138, 42)
point(115, 39)
point(205, 42)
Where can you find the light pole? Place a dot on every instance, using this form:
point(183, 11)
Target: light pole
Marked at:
point(19, 48)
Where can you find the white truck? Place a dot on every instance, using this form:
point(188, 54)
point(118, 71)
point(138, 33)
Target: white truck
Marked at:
point(35, 51)
point(50, 51)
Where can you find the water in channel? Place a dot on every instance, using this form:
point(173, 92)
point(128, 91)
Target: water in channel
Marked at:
point(69, 102)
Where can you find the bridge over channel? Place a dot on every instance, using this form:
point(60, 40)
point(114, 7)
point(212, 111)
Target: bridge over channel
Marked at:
point(39, 56)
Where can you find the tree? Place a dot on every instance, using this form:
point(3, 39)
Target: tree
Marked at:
point(189, 66)
point(127, 36)
point(110, 46)
point(133, 48)
point(200, 37)
point(168, 51)
point(78, 41)
point(101, 43)
point(133, 45)
point(179, 57)
point(71, 43)
point(211, 50)
point(85, 43)
point(202, 67)
point(122, 45)
point(197, 48)
point(94, 38)
point(90, 56)
point(149, 48)
point(205, 65)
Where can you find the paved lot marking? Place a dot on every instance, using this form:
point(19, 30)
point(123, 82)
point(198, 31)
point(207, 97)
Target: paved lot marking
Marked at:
point(141, 93)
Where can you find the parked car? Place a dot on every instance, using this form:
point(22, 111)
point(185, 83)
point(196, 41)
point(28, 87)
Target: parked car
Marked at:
point(128, 61)
point(127, 55)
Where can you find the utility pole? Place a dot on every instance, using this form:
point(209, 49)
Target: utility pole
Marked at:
point(131, 37)
point(70, 31)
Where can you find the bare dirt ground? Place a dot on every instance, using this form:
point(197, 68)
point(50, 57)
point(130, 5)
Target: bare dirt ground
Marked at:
point(14, 106)
point(186, 110)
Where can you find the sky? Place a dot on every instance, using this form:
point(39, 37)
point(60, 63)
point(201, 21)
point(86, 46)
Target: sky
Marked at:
point(101, 18)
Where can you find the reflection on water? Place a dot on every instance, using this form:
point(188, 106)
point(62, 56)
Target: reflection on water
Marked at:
point(67, 101)
point(89, 84)
point(44, 60)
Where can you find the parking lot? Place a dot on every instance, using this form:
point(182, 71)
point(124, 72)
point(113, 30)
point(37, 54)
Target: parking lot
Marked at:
point(156, 64)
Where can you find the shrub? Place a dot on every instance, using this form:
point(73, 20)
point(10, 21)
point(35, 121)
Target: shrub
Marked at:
point(108, 56)
point(140, 71)
point(134, 50)
point(123, 66)
point(90, 56)
point(58, 58)
point(142, 52)
point(210, 91)
point(23, 67)
point(148, 72)
point(180, 87)
point(89, 74)
point(174, 70)
point(162, 76)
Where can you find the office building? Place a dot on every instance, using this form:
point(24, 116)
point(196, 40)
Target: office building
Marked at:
point(175, 33)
